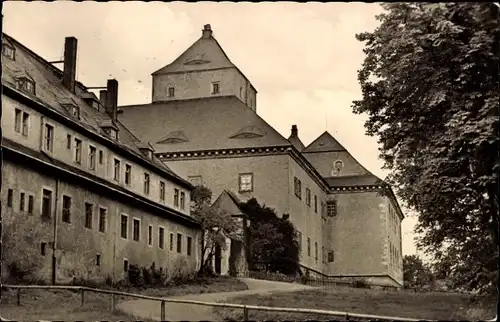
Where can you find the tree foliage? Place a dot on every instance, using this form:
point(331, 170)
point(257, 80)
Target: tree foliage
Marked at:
point(273, 241)
point(415, 273)
point(216, 225)
point(430, 89)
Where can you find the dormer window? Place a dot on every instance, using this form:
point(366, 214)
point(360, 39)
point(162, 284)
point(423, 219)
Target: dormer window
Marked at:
point(171, 92)
point(8, 51)
point(70, 105)
point(26, 84)
point(215, 87)
point(111, 132)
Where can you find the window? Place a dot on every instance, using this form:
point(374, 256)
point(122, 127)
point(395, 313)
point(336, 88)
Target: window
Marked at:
point(136, 224)
point(179, 243)
point(215, 87)
point(150, 235)
point(98, 260)
point(189, 245)
point(176, 197)
point(26, 84)
point(26, 118)
point(49, 137)
point(30, 205)
point(297, 186)
point(101, 157)
point(316, 251)
point(8, 51)
point(308, 246)
point(330, 256)
point(195, 180)
point(102, 219)
point(10, 197)
point(241, 91)
point(316, 204)
point(46, 203)
point(116, 170)
point(246, 182)
point(17, 120)
point(161, 236)
point(331, 208)
point(124, 226)
point(125, 265)
point(146, 183)
point(162, 191)
point(75, 111)
point(68, 141)
point(171, 242)
point(183, 200)
point(128, 173)
point(43, 249)
point(171, 92)
point(66, 209)
point(92, 156)
point(78, 151)
point(308, 197)
point(21, 201)
point(88, 215)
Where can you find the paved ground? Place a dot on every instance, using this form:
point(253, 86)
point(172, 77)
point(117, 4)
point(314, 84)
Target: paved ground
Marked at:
point(190, 312)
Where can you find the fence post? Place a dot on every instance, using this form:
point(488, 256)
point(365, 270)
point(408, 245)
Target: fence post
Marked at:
point(245, 313)
point(113, 303)
point(18, 296)
point(82, 294)
point(162, 312)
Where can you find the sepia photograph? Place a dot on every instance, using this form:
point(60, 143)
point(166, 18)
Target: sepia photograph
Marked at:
point(249, 161)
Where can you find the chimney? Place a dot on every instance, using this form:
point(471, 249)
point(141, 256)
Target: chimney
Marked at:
point(102, 97)
point(207, 32)
point(295, 131)
point(69, 73)
point(111, 105)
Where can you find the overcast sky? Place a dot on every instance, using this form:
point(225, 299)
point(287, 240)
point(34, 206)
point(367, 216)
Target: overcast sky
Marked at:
point(301, 58)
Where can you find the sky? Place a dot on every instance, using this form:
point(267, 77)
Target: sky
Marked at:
point(301, 58)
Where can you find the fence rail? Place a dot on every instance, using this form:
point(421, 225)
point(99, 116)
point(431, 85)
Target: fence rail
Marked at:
point(163, 301)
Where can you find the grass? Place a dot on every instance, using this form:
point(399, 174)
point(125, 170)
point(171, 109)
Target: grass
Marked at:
point(432, 306)
point(65, 305)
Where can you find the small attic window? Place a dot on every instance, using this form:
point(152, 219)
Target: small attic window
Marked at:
point(111, 132)
point(26, 84)
point(215, 88)
point(70, 106)
point(147, 152)
point(8, 51)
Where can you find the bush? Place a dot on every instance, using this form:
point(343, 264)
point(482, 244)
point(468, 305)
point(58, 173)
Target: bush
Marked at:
point(359, 283)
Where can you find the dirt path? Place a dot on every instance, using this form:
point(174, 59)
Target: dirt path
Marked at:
point(147, 309)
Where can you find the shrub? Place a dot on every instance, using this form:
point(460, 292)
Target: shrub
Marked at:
point(359, 283)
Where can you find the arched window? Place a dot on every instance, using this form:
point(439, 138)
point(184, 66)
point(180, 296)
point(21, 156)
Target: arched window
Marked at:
point(337, 167)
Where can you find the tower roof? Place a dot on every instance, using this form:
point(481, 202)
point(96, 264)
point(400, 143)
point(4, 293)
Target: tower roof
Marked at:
point(204, 54)
point(324, 143)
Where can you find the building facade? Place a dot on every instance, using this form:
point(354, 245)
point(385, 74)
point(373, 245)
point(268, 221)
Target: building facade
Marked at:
point(82, 197)
point(203, 124)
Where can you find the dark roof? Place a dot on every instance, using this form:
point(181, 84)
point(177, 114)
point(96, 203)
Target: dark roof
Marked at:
point(51, 93)
point(201, 124)
point(324, 143)
point(296, 142)
point(203, 54)
point(350, 181)
point(39, 155)
point(227, 201)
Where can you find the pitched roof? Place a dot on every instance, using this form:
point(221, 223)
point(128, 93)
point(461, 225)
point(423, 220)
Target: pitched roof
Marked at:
point(51, 93)
point(229, 203)
point(324, 143)
point(296, 142)
point(201, 122)
point(203, 54)
point(350, 181)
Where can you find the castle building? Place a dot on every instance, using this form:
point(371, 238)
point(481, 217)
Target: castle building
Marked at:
point(82, 197)
point(203, 124)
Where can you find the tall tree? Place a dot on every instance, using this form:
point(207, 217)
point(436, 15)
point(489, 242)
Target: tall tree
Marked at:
point(430, 85)
point(415, 272)
point(216, 225)
point(273, 240)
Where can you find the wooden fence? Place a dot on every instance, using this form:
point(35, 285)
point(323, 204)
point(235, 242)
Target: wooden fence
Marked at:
point(245, 308)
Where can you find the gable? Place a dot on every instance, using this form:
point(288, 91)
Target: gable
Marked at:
point(324, 143)
point(204, 54)
point(174, 137)
point(227, 203)
point(209, 123)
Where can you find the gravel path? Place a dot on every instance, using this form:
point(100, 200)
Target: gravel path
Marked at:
point(147, 309)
